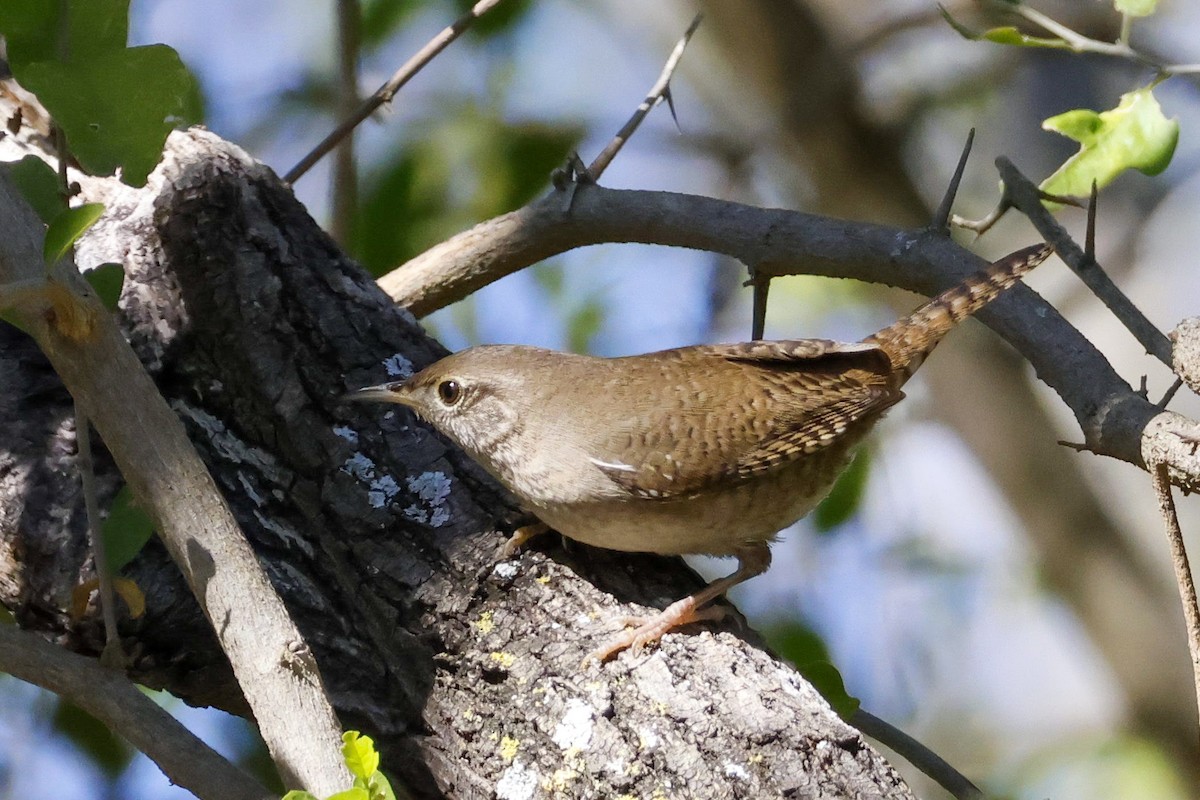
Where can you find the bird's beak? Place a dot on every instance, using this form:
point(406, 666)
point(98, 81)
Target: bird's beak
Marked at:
point(383, 393)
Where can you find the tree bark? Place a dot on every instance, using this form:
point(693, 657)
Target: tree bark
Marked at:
point(381, 538)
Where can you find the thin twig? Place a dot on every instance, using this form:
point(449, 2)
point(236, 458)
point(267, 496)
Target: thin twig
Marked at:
point(658, 92)
point(1028, 199)
point(916, 754)
point(1160, 478)
point(112, 656)
point(941, 217)
point(345, 170)
point(385, 93)
point(1077, 41)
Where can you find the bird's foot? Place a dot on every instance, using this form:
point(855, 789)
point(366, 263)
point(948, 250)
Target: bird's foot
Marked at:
point(520, 536)
point(647, 630)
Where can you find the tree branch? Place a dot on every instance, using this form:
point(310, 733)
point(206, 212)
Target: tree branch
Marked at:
point(109, 697)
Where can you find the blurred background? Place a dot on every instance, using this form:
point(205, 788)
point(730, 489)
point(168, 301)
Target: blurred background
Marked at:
point(1004, 599)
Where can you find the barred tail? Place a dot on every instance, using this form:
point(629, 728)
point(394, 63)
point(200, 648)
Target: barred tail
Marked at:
point(908, 341)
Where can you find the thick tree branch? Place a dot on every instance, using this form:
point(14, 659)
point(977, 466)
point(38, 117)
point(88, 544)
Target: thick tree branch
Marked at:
point(110, 697)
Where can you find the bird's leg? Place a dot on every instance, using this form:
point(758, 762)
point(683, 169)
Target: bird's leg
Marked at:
point(520, 536)
point(753, 559)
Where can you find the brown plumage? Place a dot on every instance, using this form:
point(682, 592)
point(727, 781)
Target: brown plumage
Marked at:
point(706, 449)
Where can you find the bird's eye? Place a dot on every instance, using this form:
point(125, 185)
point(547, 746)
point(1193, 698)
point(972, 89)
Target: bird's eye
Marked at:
point(449, 392)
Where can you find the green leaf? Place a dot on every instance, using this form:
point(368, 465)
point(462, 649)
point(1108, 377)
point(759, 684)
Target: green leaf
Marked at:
point(300, 794)
point(584, 324)
point(1136, 8)
point(500, 19)
point(126, 530)
point(1134, 135)
point(380, 788)
point(1003, 35)
point(66, 228)
point(846, 495)
point(38, 184)
point(35, 31)
point(118, 108)
point(356, 793)
point(107, 280)
point(805, 649)
point(826, 679)
point(29, 28)
point(382, 18)
point(106, 751)
point(360, 755)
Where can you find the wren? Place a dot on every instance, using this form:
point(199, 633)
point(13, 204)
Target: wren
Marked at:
point(708, 449)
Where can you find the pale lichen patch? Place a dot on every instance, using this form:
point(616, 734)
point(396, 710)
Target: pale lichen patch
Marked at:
point(398, 366)
point(736, 771)
point(574, 730)
point(517, 783)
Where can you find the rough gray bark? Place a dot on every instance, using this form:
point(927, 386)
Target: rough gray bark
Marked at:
point(381, 538)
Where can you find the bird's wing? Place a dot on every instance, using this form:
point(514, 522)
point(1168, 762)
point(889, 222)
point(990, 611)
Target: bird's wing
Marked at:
point(776, 402)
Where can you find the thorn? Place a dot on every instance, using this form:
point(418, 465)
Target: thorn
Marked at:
point(941, 217)
point(670, 98)
point(762, 287)
point(1170, 395)
point(1089, 248)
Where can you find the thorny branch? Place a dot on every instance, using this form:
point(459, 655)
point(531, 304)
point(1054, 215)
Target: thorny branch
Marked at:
point(1027, 198)
point(387, 91)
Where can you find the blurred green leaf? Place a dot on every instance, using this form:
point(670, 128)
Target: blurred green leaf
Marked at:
point(549, 276)
point(118, 108)
point(846, 495)
point(516, 161)
point(107, 280)
point(360, 755)
point(1134, 135)
point(382, 18)
point(66, 228)
point(38, 184)
point(1136, 8)
point(497, 21)
point(583, 325)
point(797, 643)
point(107, 751)
point(801, 645)
point(399, 211)
point(300, 794)
point(125, 531)
point(826, 679)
